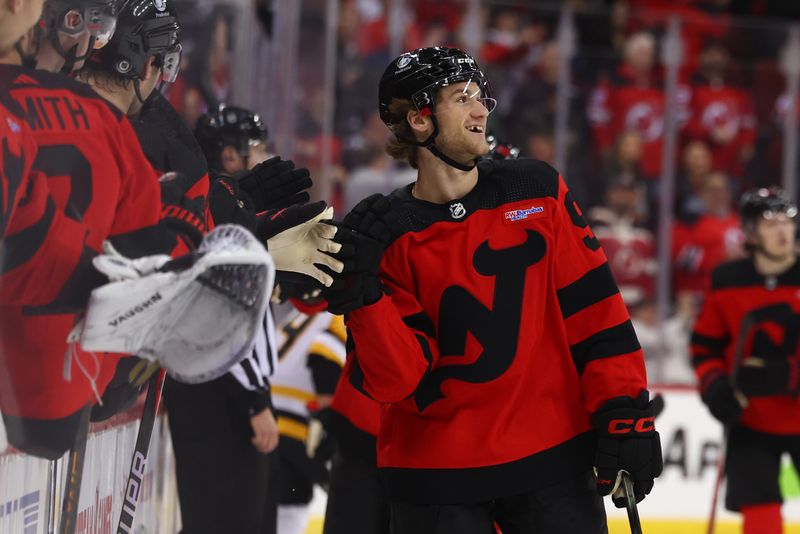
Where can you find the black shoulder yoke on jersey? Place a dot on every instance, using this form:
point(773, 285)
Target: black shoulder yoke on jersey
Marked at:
point(25, 78)
point(499, 182)
point(742, 273)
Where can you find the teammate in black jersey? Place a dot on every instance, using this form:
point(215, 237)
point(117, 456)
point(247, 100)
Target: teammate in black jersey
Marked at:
point(755, 302)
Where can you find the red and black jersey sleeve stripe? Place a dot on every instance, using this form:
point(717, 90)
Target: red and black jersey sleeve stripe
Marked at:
point(603, 344)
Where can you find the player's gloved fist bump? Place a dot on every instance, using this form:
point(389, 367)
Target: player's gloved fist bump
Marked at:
point(358, 284)
point(275, 184)
point(762, 377)
point(627, 440)
point(719, 396)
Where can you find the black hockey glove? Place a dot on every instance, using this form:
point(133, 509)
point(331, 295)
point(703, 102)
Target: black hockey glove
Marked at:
point(373, 217)
point(358, 284)
point(276, 184)
point(228, 204)
point(276, 221)
point(627, 440)
point(182, 215)
point(760, 377)
point(718, 395)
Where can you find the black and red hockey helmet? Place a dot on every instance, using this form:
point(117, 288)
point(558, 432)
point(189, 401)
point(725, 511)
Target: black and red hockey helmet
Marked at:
point(417, 76)
point(145, 29)
point(765, 203)
point(229, 126)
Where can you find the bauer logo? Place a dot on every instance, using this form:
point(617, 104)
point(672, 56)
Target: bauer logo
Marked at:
point(457, 210)
point(522, 214)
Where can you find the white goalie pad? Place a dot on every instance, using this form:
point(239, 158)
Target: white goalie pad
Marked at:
point(196, 316)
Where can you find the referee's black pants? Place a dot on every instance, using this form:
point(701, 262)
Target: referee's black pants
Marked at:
point(222, 479)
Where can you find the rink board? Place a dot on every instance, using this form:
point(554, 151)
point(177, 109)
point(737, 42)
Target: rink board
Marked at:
point(680, 501)
point(24, 483)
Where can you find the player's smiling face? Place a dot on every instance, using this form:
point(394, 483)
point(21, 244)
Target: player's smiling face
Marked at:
point(462, 116)
point(776, 234)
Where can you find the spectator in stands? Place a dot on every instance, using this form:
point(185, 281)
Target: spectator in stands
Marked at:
point(721, 111)
point(705, 239)
point(629, 246)
point(696, 166)
point(625, 161)
point(665, 343)
point(632, 100)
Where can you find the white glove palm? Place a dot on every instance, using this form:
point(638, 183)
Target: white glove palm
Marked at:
point(299, 248)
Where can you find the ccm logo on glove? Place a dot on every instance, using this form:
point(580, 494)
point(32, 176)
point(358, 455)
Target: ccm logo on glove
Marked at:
point(626, 426)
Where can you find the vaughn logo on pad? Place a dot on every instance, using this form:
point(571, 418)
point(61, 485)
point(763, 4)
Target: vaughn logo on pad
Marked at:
point(522, 214)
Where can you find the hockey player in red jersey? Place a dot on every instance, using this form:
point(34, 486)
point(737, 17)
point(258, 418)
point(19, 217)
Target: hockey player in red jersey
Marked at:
point(28, 274)
point(80, 138)
point(483, 315)
point(754, 302)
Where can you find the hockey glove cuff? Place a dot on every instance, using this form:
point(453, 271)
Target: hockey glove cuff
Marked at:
point(627, 440)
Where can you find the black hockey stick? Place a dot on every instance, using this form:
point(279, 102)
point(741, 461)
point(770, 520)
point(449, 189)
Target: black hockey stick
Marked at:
point(777, 312)
point(626, 492)
point(133, 487)
point(72, 487)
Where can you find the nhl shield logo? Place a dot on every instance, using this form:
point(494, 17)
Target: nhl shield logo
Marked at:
point(161, 5)
point(457, 210)
point(403, 62)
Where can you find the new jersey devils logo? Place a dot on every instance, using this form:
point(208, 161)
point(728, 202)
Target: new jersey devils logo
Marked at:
point(496, 329)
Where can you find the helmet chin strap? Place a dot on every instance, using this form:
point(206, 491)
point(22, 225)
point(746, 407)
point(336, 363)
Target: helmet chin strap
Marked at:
point(70, 56)
point(138, 91)
point(430, 144)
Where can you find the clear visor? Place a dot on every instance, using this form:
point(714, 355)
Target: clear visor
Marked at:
point(100, 23)
point(477, 94)
point(172, 64)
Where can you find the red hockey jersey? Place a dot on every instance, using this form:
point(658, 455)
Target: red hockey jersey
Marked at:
point(737, 289)
point(98, 176)
point(502, 331)
point(698, 248)
point(727, 109)
point(35, 261)
point(625, 105)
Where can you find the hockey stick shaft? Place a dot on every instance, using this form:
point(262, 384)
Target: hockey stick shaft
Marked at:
point(72, 487)
point(133, 486)
point(630, 504)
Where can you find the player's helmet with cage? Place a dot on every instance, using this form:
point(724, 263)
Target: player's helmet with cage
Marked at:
point(765, 203)
point(145, 29)
point(98, 17)
point(417, 77)
point(229, 126)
